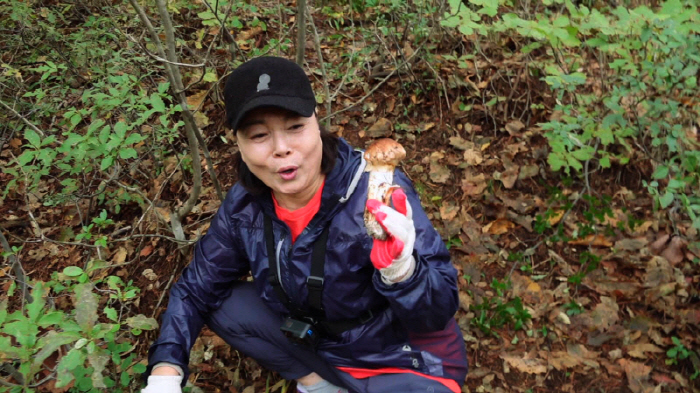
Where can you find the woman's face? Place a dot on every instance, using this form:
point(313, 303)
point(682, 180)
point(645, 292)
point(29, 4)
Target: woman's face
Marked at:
point(284, 151)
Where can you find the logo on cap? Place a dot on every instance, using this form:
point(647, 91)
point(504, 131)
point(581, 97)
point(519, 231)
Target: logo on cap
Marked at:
point(263, 82)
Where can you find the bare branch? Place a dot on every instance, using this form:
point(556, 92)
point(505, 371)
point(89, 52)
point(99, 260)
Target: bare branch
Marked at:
point(16, 267)
point(358, 102)
point(301, 31)
point(162, 60)
point(27, 122)
point(317, 44)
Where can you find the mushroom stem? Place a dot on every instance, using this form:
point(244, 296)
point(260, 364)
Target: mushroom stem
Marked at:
point(383, 155)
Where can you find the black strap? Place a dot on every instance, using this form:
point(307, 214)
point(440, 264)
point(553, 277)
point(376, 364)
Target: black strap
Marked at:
point(315, 286)
point(334, 328)
point(272, 277)
point(314, 282)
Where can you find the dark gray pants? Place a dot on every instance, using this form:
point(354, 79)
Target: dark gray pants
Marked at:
point(249, 326)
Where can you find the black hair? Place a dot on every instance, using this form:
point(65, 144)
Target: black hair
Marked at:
point(255, 186)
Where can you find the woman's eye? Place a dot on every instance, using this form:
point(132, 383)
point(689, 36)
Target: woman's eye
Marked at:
point(257, 136)
point(296, 126)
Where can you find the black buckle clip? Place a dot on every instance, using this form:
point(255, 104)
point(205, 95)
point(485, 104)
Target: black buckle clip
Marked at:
point(314, 282)
point(366, 317)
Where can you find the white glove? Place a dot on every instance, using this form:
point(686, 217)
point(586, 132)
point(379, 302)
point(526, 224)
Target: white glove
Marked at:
point(163, 384)
point(394, 256)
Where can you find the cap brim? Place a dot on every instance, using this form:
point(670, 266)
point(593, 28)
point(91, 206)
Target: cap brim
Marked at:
point(301, 106)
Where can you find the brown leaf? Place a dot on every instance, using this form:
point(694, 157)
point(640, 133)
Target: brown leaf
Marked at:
point(498, 227)
point(449, 210)
point(605, 313)
point(674, 250)
point(146, 251)
point(637, 375)
point(637, 350)
point(15, 143)
point(631, 244)
point(509, 176)
point(461, 143)
point(473, 184)
point(530, 366)
point(195, 100)
point(658, 272)
point(528, 171)
point(382, 128)
point(592, 240)
point(119, 256)
point(554, 218)
point(562, 360)
point(514, 127)
point(473, 157)
point(439, 173)
point(659, 244)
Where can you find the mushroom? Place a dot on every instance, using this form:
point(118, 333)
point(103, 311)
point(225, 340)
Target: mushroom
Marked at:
point(382, 156)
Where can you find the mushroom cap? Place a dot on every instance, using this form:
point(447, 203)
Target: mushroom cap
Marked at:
point(385, 152)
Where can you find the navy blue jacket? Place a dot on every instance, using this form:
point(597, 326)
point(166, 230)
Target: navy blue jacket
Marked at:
point(416, 330)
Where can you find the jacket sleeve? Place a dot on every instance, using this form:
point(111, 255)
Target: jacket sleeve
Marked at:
point(201, 288)
point(429, 298)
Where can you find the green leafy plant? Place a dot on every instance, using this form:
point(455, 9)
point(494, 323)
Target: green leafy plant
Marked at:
point(90, 344)
point(680, 352)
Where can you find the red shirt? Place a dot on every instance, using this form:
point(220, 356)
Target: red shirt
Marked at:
point(297, 220)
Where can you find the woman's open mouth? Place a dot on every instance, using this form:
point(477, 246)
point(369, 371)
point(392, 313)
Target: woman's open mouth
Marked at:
point(288, 173)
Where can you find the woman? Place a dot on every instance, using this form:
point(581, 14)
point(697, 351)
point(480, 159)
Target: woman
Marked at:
point(329, 306)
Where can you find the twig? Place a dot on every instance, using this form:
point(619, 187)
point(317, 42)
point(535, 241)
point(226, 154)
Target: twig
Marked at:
point(16, 267)
point(378, 85)
point(27, 122)
point(444, 89)
point(162, 60)
point(191, 128)
point(317, 44)
point(301, 31)
point(162, 294)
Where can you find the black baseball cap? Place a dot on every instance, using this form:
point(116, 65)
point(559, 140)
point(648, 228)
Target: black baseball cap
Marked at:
point(267, 81)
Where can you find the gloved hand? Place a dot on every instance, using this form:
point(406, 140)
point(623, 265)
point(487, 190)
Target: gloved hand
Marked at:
point(163, 384)
point(394, 256)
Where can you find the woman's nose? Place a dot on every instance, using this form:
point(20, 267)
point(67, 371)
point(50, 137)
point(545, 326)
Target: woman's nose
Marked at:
point(281, 147)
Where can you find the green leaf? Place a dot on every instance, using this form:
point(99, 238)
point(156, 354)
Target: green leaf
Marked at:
point(76, 119)
point(68, 363)
point(140, 321)
point(125, 379)
point(50, 344)
point(26, 157)
point(134, 138)
point(32, 137)
point(72, 271)
point(111, 313)
point(98, 361)
point(52, 318)
point(666, 200)
point(85, 303)
point(210, 77)
point(661, 172)
point(106, 163)
point(23, 330)
point(157, 103)
point(35, 308)
point(120, 129)
point(3, 311)
point(127, 153)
